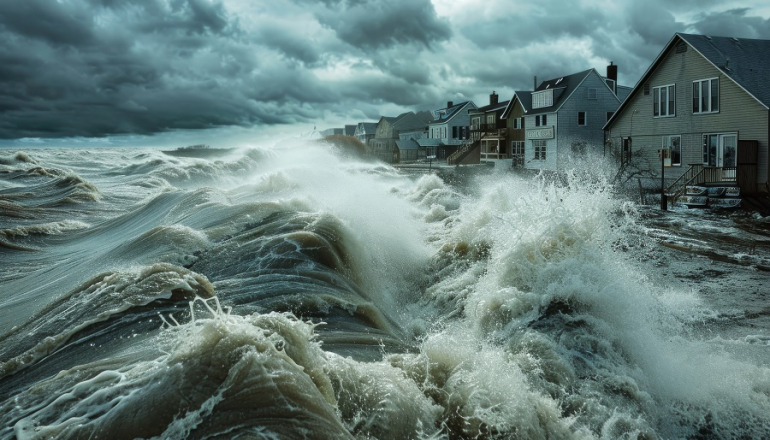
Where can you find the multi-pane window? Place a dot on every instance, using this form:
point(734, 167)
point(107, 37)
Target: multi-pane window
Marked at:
point(674, 144)
point(664, 100)
point(705, 96)
point(539, 147)
point(581, 118)
point(542, 99)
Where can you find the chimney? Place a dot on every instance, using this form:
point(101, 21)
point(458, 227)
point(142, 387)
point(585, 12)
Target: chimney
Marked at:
point(449, 104)
point(612, 73)
point(535, 87)
point(493, 98)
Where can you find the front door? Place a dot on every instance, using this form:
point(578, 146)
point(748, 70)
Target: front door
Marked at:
point(721, 151)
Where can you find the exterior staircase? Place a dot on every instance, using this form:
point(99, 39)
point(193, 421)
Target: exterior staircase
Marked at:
point(464, 150)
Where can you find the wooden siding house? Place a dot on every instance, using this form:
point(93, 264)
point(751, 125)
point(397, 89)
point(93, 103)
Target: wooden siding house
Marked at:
point(564, 117)
point(703, 105)
point(488, 129)
point(514, 116)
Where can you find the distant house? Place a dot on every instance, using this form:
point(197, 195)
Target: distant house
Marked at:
point(449, 129)
point(703, 105)
point(564, 117)
point(489, 130)
point(349, 130)
point(365, 131)
point(389, 131)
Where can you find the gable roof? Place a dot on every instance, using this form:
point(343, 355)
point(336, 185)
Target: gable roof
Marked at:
point(525, 98)
point(563, 88)
point(445, 114)
point(489, 108)
point(743, 60)
point(367, 127)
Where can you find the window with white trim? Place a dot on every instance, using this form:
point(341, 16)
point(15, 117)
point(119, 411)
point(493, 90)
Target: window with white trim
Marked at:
point(705, 96)
point(539, 148)
point(674, 144)
point(542, 99)
point(581, 118)
point(664, 101)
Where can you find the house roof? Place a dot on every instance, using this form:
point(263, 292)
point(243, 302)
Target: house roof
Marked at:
point(444, 114)
point(524, 97)
point(562, 89)
point(743, 60)
point(489, 108)
point(369, 127)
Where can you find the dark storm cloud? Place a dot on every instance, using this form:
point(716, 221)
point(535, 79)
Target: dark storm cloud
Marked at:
point(102, 67)
point(733, 23)
point(373, 24)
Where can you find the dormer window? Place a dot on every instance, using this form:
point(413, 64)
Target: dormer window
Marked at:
point(542, 99)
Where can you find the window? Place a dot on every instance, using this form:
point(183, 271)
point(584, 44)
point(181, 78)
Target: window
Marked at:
point(539, 145)
point(516, 125)
point(454, 132)
point(545, 119)
point(542, 99)
point(674, 143)
point(609, 115)
point(592, 93)
point(581, 118)
point(537, 121)
point(663, 100)
point(705, 96)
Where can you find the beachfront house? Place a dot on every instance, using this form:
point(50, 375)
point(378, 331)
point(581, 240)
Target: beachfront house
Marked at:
point(514, 114)
point(449, 128)
point(365, 131)
point(699, 114)
point(388, 143)
point(489, 130)
point(564, 117)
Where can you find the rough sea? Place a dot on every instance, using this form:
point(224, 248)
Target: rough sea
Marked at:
point(295, 292)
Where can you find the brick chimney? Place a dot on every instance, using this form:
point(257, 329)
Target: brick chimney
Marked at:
point(612, 73)
point(493, 98)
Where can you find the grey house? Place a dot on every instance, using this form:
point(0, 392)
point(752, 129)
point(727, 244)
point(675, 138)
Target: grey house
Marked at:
point(702, 105)
point(389, 131)
point(450, 128)
point(564, 117)
point(365, 131)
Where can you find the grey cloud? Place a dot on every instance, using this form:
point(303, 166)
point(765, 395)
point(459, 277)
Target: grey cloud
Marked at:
point(372, 24)
point(733, 23)
point(136, 68)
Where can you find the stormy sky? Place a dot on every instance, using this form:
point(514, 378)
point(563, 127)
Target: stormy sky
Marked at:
point(143, 71)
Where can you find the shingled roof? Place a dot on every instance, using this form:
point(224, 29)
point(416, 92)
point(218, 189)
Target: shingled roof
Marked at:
point(743, 60)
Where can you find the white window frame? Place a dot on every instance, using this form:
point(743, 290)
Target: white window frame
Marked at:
point(668, 144)
point(700, 110)
point(542, 99)
point(657, 103)
point(539, 147)
point(585, 119)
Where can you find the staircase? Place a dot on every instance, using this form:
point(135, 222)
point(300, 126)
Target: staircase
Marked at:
point(467, 146)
